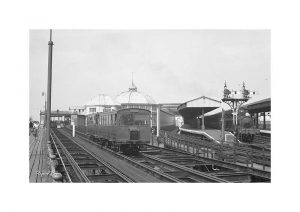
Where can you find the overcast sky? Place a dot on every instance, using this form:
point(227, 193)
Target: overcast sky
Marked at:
point(169, 65)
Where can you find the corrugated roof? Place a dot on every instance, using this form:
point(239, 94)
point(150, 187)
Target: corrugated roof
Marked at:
point(257, 102)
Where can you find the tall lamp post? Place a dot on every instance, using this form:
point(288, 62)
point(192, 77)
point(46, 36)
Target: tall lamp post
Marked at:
point(235, 100)
point(48, 116)
point(45, 95)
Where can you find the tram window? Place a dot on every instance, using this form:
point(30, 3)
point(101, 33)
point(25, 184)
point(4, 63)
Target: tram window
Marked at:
point(126, 119)
point(140, 119)
point(133, 119)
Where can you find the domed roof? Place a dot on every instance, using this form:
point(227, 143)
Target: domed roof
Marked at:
point(132, 96)
point(102, 99)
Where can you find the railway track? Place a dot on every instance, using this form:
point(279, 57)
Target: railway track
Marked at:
point(161, 168)
point(163, 177)
point(184, 174)
point(240, 153)
point(81, 165)
point(212, 166)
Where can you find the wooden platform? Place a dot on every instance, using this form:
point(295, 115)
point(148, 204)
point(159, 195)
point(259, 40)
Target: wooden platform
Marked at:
point(210, 133)
point(39, 170)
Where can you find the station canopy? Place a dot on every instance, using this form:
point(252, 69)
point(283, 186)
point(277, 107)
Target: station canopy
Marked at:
point(195, 107)
point(259, 106)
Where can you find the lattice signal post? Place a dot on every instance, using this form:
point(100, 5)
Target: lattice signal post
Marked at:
point(235, 99)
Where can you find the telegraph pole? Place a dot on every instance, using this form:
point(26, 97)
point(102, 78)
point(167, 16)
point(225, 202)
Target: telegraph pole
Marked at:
point(50, 44)
point(45, 119)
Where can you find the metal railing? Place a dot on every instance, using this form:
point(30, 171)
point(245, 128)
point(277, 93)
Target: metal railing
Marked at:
point(235, 152)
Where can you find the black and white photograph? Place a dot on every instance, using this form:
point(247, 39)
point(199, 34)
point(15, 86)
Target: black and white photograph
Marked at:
point(150, 106)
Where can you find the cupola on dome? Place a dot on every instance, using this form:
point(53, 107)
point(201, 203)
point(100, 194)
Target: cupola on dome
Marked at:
point(133, 96)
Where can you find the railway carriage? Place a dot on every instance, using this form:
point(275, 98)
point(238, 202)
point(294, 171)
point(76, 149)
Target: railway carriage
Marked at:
point(124, 130)
point(245, 123)
point(247, 131)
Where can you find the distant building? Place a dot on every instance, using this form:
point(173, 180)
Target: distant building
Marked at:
point(132, 98)
point(135, 98)
point(77, 109)
point(56, 116)
point(100, 103)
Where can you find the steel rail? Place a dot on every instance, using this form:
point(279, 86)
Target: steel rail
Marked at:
point(101, 160)
point(160, 173)
point(250, 170)
point(81, 175)
point(63, 163)
point(237, 167)
point(165, 175)
point(186, 169)
point(146, 168)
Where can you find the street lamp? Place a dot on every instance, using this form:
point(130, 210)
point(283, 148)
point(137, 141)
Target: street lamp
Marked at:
point(50, 44)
